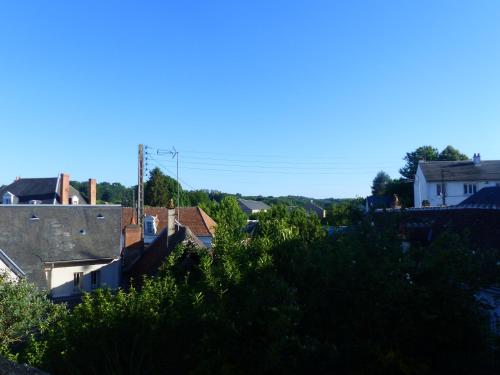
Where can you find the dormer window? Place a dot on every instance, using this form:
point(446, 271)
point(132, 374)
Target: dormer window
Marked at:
point(73, 200)
point(150, 225)
point(8, 198)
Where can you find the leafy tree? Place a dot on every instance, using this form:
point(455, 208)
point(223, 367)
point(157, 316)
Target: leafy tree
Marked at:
point(159, 189)
point(428, 153)
point(345, 213)
point(451, 153)
point(230, 221)
point(24, 311)
point(380, 182)
point(412, 158)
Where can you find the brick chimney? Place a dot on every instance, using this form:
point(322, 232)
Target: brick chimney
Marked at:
point(92, 188)
point(64, 184)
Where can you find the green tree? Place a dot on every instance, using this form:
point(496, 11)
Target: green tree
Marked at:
point(159, 189)
point(24, 311)
point(380, 182)
point(450, 153)
point(427, 153)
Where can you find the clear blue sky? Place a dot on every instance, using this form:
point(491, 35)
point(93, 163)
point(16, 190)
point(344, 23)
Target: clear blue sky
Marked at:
point(260, 97)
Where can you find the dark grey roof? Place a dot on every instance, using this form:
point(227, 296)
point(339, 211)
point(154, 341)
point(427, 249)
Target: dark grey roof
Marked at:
point(252, 205)
point(26, 189)
point(311, 206)
point(31, 235)
point(378, 201)
point(461, 170)
point(44, 190)
point(487, 197)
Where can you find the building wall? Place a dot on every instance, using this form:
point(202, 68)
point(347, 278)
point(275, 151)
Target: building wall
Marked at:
point(423, 190)
point(419, 188)
point(454, 191)
point(60, 279)
point(6, 270)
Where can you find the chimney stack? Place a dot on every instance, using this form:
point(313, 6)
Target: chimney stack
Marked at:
point(64, 184)
point(171, 218)
point(477, 159)
point(92, 188)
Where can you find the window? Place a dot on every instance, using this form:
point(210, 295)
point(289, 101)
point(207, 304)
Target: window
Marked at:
point(95, 279)
point(77, 281)
point(73, 200)
point(470, 189)
point(149, 227)
point(441, 189)
point(8, 198)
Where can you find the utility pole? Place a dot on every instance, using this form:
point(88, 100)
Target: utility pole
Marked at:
point(443, 190)
point(140, 187)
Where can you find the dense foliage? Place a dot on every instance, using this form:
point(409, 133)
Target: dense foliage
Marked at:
point(288, 300)
point(24, 311)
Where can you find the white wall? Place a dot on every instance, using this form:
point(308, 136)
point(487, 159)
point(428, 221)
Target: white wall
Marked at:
point(6, 270)
point(454, 191)
point(423, 190)
point(419, 188)
point(61, 278)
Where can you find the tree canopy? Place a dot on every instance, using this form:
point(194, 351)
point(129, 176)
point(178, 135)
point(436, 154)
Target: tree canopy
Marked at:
point(380, 182)
point(428, 153)
point(159, 189)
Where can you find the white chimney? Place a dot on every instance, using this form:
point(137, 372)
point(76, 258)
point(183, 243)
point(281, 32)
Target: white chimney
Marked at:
point(477, 159)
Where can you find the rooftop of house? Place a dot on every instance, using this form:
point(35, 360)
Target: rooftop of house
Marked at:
point(253, 205)
point(154, 256)
point(195, 218)
point(378, 201)
point(467, 170)
point(487, 197)
point(426, 224)
point(312, 206)
point(35, 235)
point(43, 190)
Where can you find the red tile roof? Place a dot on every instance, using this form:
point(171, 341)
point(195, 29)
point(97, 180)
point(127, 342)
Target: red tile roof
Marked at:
point(193, 217)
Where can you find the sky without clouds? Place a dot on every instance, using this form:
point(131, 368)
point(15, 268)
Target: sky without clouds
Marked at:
point(260, 97)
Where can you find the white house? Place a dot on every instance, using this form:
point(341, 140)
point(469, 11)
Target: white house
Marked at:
point(64, 249)
point(448, 183)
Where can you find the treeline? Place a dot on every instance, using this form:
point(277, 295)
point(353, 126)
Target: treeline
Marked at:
point(160, 188)
point(288, 300)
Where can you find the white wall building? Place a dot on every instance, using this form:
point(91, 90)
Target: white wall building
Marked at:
point(448, 183)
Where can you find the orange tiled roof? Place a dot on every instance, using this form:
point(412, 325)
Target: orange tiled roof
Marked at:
point(193, 217)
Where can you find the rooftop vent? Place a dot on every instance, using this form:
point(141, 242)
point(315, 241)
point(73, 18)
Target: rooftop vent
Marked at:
point(100, 216)
point(34, 217)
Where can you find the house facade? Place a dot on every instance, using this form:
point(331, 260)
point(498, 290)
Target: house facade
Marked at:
point(63, 249)
point(448, 183)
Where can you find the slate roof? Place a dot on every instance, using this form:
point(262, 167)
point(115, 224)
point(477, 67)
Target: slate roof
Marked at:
point(247, 204)
point(488, 197)
point(195, 218)
point(40, 189)
point(378, 201)
point(461, 170)
point(60, 234)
